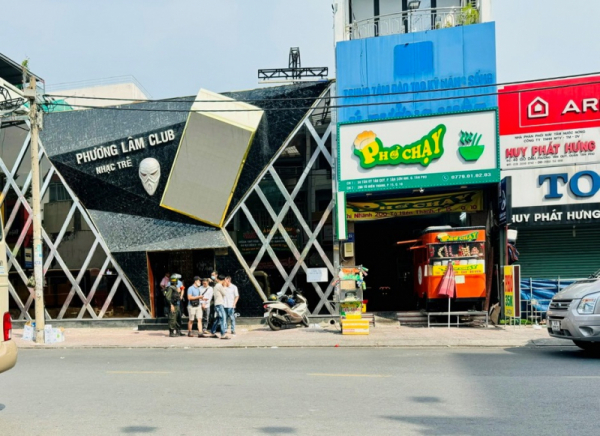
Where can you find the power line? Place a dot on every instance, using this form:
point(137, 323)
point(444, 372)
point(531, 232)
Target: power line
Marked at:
point(489, 94)
point(183, 100)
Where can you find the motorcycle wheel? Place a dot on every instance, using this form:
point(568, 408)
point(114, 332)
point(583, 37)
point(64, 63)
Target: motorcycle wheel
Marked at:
point(305, 322)
point(274, 323)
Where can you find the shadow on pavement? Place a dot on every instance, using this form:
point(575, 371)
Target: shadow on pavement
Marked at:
point(426, 399)
point(566, 351)
point(445, 426)
point(278, 430)
point(138, 429)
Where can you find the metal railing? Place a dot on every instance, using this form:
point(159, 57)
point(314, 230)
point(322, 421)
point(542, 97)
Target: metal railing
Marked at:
point(412, 21)
point(536, 295)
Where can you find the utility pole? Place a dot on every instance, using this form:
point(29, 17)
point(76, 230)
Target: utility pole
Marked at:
point(37, 217)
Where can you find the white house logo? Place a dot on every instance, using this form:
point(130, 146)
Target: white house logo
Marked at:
point(538, 108)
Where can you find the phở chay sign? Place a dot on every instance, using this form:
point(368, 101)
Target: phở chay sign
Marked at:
point(407, 153)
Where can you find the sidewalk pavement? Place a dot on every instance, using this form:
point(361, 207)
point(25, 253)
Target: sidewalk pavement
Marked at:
point(314, 336)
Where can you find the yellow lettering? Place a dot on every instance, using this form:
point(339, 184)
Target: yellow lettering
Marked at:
point(383, 155)
point(436, 140)
point(416, 152)
point(369, 152)
point(406, 154)
point(427, 148)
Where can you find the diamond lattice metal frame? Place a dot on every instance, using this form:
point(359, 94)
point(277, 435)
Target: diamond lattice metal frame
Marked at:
point(289, 204)
point(53, 246)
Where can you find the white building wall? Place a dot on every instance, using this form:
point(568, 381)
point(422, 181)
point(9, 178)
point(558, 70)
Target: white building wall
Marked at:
point(129, 91)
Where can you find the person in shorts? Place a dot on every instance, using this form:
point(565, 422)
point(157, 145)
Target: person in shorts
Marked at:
point(194, 306)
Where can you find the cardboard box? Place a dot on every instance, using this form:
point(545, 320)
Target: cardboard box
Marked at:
point(48, 336)
point(28, 332)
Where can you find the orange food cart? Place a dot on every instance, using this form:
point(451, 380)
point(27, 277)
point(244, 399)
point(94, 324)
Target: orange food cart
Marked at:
point(465, 248)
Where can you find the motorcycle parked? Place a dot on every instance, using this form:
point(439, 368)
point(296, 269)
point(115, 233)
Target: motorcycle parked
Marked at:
point(287, 310)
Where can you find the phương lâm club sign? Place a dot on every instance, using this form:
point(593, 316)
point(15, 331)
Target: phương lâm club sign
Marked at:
point(550, 123)
point(420, 152)
point(139, 163)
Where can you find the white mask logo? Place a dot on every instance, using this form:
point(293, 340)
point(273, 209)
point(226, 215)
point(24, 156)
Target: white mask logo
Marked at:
point(150, 174)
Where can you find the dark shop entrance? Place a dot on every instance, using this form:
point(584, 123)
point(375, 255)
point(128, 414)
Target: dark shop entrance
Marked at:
point(390, 283)
point(187, 263)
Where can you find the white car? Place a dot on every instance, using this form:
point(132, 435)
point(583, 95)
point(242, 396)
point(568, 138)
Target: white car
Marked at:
point(574, 314)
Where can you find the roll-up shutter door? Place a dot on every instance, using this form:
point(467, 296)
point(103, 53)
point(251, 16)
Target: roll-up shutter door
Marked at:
point(563, 252)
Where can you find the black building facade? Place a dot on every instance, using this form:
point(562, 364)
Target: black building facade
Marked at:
point(111, 235)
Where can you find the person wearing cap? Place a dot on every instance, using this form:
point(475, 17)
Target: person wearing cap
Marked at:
point(194, 306)
point(173, 297)
point(206, 291)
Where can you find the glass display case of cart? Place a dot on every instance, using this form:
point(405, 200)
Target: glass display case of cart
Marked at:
point(465, 248)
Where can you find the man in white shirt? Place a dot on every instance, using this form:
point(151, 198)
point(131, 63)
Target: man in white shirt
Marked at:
point(232, 296)
point(207, 294)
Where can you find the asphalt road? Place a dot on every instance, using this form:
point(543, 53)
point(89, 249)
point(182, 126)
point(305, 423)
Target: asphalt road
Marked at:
point(374, 391)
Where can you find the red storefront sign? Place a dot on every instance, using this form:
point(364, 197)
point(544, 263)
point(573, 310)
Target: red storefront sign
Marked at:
point(549, 123)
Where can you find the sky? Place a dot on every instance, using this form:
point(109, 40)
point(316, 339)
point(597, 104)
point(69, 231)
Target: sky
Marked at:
point(175, 47)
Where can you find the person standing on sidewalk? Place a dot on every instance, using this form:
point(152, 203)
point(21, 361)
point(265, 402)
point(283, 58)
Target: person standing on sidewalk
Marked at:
point(164, 284)
point(194, 306)
point(213, 278)
point(220, 320)
point(206, 292)
point(173, 297)
point(230, 301)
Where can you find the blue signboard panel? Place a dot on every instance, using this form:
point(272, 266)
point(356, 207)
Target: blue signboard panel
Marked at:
point(424, 73)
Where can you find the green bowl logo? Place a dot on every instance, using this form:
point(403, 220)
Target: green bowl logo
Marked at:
point(470, 149)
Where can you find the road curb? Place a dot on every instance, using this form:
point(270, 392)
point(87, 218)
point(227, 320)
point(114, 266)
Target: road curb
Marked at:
point(213, 347)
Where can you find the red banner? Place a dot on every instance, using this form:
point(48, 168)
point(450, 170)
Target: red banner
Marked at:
point(550, 123)
point(564, 104)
